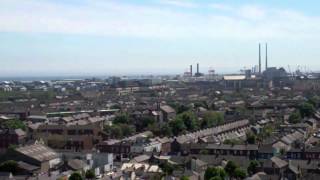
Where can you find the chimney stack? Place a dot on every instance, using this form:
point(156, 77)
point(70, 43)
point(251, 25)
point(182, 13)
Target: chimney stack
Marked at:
point(266, 56)
point(197, 68)
point(259, 58)
point(191, 70)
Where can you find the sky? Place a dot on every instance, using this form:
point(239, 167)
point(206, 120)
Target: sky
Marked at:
point(123, 37)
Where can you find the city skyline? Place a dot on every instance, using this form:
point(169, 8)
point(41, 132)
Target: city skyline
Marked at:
point(153, 37)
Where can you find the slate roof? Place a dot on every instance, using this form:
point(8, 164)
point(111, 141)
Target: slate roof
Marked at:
point(38, 152)
point(167, 109)
point(279, 162)
point(290, 138)
point(26, 166)
point(211, 131)
point(305, 164)
point(313, 149)
point(141, 158)
point(76, 164)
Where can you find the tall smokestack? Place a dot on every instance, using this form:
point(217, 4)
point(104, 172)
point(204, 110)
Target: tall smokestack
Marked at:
point(259, 58)
point(266, 56)
point(191, 70)
point(197, 68)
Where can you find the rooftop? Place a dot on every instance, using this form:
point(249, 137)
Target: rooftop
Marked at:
point(38, 152)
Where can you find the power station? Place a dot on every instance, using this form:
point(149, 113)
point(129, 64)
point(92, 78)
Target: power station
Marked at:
point(266, 59)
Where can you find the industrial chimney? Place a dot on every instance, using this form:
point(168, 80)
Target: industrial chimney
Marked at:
point(191, 70)
point(197, 68)
point(266, 56)
point(259, 58)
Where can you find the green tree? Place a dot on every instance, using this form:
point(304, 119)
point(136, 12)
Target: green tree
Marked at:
point(295, 117)
point(146, 122)
point(230, 168)
point(114, 131)
point(119, 130)
point(267, 130)
point(182, 108)
point(239, 173)
point(177, 125)
point(211, 119)
point(212, 172)
point(216, 178)
point(12, 148)
point(251, 138)
point(315, 100)
point(203, 104)
point(14, 124)
point(167, 168)
point(189, 119)
point(76, 176)
point(9, 166)
point(306, 109)
point(127, 130)
point(90, 174)
point(232, 141)
point(166, 130)
point(253, 167)
point(121, 119)
point(184, 178)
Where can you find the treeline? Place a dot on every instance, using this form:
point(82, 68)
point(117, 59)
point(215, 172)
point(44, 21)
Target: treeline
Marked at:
point(187, 121)
point(305, 110)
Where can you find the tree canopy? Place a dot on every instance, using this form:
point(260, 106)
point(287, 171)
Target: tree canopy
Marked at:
point(295, 117)
point(190, 120)
point(76, 176)
point(90, 174)
point(166, 130)
point(186, 121)
point(240, 173)
point(306, 109)
point(214, 172)
point(177, 126)
point(211, 119)
point(121, 119)
point(230, 168)
point(14, 124)
point(184, 178)
point(251, 138)
point(119, 130)
point(167, 168)
point(9, 166)
point(315, 101)
point(253, 167)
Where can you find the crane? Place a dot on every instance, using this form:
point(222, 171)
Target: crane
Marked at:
point(289, 69)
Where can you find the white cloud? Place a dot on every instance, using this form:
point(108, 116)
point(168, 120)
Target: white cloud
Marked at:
point(179, 3)
point(252, 12)
point(221, 6)
point(113, 18)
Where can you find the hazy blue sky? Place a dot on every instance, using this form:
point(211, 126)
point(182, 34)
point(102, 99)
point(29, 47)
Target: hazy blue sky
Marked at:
point(103, 37)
